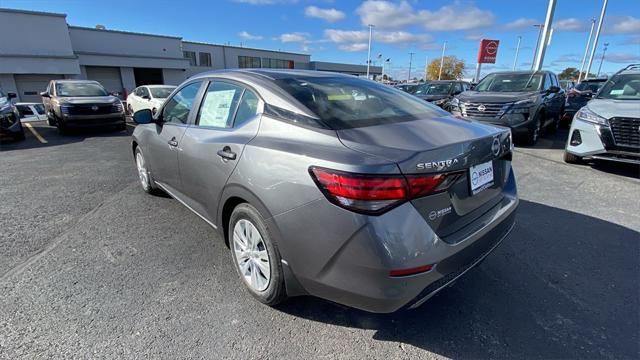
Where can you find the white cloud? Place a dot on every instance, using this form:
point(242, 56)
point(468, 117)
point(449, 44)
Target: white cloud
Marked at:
point(293, 37)
point(246, 36)
point(622, 25)
point(353, 47)
point(385, 14)
point(330, 15)
point(570, 24)
point(519, 24)
point(623, 58)
point(387, 37)
point(473, 37)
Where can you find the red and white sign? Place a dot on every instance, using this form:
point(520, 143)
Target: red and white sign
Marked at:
point(488, 51)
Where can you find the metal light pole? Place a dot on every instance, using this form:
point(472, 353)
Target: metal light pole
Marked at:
point(444, 48)
point(535, 53)
point(586, 50)
point(410, 61)
point(544, 42)
point(369, 51)
point(595, 41)
point(426, 68)
point(602, 58)
point(515, 60)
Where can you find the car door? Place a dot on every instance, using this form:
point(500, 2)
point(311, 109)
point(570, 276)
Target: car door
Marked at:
point(548, 98)
point(46, 100)
point(559, 97)
point(227, 120)
point(132, 100)
point(164, 145)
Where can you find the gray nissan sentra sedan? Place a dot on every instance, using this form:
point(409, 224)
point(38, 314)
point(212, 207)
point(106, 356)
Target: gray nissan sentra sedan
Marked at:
point(328, 185)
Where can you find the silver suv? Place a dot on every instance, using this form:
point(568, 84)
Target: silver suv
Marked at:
point(81, 104)
point(330, 185)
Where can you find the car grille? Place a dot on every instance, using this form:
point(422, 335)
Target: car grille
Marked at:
point(480, 110)
point(626, 131)
point(88, 109)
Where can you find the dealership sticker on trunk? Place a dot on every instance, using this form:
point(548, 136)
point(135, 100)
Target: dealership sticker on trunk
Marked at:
point(481, 177)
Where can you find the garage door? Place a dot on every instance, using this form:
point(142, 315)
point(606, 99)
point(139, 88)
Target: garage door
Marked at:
point(30, 86)
point(109, 77)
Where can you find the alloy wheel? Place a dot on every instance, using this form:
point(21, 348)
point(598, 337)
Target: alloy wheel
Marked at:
point(142, 171)
point(251, 255)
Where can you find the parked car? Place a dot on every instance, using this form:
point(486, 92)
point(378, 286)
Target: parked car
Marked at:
point(608, 127)
point(408, 88)
point(31, 112)
point(567, 85)
point(148, 97)
point(81, 104)
point(579, 96)
point(440, 92)
point(10, 125)
point(525, 101)
point(330, 185)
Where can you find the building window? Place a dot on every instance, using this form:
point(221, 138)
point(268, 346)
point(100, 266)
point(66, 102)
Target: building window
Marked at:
point(191, 55)
point(277, 63)
point(248, 62)
point(205, 59)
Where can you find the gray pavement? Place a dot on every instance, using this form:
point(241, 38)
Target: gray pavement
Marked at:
point(92, 267)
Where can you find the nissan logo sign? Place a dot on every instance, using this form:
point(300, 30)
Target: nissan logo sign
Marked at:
point(94, 108)
point(482, 108)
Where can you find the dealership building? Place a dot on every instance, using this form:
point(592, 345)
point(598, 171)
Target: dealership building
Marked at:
point(38, 47)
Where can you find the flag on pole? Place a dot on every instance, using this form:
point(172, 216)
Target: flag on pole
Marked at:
point(379, 55)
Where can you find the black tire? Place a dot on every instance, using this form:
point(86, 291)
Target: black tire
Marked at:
point(51, 121)
point(275, 291)
point(152, 188)
point(532, 136)
point(572, 159)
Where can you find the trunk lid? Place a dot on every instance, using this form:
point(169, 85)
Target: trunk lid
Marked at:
point(441, 145)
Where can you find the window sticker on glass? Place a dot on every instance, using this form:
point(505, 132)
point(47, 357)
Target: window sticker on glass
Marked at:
point(216, 108)
point(617, 92)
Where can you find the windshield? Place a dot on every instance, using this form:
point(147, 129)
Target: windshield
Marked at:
point(592, 86)
point(433, 89)
point(80, 89)
point(161, 92)
point(344, 102)
point(621, 87)
point(510, 82)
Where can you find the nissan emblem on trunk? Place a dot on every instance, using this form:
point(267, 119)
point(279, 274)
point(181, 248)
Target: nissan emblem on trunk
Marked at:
point(94, 108)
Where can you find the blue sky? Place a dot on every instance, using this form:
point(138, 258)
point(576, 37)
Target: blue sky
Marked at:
point(336, 30)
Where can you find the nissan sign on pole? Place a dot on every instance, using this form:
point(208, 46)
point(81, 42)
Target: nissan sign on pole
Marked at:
point(487, 54)
point(488, 51)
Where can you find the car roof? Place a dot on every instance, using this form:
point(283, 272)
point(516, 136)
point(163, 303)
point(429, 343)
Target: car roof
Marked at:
point(442, 81)
point(528, 72)
point(75, 81)
point(158, 86)
point(272, 74)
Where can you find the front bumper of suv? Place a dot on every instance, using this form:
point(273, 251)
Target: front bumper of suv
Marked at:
point(347, 257)
point(598, 142)
point(519, 123)
point(87, 121)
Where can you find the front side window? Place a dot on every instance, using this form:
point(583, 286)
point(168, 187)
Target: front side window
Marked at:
point(510, 82)
point(621, 87)
point(161, 92)
point(219, 104)
point(205, 59)
point(191, 55)
point(144, 92)
point(80, 89)
point(39, 108)
point(177, 108)
point(346, 102)
point(24, 110)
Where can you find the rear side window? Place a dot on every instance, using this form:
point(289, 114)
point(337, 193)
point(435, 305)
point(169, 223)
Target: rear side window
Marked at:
point(592, 86)
point(349, 102)
point(219, 104)
point(247, 109)
point(178, 107)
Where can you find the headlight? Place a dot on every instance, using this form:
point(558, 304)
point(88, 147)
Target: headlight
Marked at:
point(117, 106)
point(587, 115)
point(455, 102)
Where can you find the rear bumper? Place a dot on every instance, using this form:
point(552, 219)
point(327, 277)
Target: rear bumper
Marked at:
point(346, 258)
point(596, 142)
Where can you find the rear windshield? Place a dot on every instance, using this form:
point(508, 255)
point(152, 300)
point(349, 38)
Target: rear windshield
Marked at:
point(80, 89)
point(433, 89)
point(592, 86)
point(510, 82)
point(621, 87)
point(161, 93)
point(349, 102)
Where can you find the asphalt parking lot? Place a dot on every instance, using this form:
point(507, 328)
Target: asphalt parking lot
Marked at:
point(92, 267)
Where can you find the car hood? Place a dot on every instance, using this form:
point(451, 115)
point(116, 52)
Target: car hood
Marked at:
point(432, 97)
point(608, 108)
point(495, 97)
point(411, 142)
point(88, 100)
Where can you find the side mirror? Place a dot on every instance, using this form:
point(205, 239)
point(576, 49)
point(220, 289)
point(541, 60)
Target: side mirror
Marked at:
point(45, 94)
point(553, 89)
point(11, 96)
point(143, 116)
point(146, 97)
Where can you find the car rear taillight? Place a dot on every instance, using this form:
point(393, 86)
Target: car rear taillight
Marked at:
point(375, 194)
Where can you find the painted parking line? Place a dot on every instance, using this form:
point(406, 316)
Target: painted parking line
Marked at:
point(35, 133)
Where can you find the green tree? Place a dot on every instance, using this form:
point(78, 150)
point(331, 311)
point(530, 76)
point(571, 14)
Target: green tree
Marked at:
point(572, 73)
point(452, 69)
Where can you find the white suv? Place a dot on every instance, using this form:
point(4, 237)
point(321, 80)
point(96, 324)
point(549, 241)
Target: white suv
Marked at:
point(608, 127)
point(148, 97)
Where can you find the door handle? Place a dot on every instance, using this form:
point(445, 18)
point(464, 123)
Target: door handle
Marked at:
point(227, 154)
point(173, 142)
